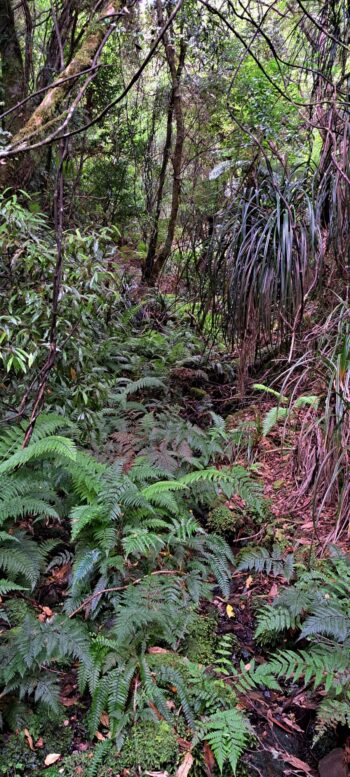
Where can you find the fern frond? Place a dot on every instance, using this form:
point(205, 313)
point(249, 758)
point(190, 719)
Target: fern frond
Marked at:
point(100, 752)
point(60, 447)
point(274, 620)
point(227, 733)
point(260, 560)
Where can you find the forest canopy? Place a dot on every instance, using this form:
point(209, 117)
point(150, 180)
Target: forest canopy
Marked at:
point(174, 374)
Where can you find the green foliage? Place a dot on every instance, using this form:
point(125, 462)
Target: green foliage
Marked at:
point(227, 734)
point(277, 413)
point(316, 607)
point(151, 745)
point(260, 560)
point(201, 638)
point(141, 566)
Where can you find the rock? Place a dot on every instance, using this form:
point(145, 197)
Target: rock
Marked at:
point(334, 764)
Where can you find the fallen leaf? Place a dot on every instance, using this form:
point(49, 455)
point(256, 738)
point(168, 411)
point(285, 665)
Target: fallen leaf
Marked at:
point(297, 762)
point(68, 702)
point(209, 759)
point(99, 736)
point(291, 724)
point(184, 744)
point(248, 581)
point(47, 611)
point(104, 720)
point(51, 758)
point(230, 611)
point(156, 649)
point(273, 591)
point(185, 766)
point(40, 742)
point(29, 738)
point(158, 774)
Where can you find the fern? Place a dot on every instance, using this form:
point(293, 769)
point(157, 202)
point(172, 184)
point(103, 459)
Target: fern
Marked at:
point(227, 734)
point(328, 620)
point(274, 620)
point(50, 446)
point(6, 587)
point(46, 425)
point(251, 676)
point(260, 560)
point(321, 665)
point(272, 417)
point(100, 752)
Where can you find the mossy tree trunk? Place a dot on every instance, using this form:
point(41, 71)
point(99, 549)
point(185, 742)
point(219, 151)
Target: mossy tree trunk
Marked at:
point(47, 114)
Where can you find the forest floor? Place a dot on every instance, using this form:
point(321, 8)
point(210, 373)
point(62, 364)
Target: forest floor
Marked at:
point(285, 722)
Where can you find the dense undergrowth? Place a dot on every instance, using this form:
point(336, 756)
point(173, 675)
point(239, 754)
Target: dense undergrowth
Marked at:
point(118, 522)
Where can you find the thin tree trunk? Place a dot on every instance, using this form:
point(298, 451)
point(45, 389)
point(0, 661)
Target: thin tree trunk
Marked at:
point(152, 247)
point(155, 262)
point(13, 80)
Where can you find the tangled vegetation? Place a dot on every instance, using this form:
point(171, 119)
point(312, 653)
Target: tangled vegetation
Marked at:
point(174, 374)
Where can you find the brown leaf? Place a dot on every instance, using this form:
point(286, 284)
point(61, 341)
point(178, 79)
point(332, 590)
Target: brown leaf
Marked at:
point(40, 742)
point(158, 774)
point(51, 758)
point(292, 724)
point(29, 738)
point(99, 736)
point(104, 720)
point(69, 702)
point(273, 591)
point(158, 650)
point(248, 581)
point(184, 744)
point(297, 762)
point(48, 612)
point(185, 765)
point(209, 759)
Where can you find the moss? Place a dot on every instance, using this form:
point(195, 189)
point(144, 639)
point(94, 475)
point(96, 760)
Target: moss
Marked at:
point(202, 639)
point(18, 759)
point(70, 766)
point(150, 745)
point(221, 520)
point(174, 660)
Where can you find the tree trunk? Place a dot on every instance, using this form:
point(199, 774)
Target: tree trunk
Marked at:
point(152, 247)
point(53, 55)
point(12, 80)
point(47, 112)
point(155, 262)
